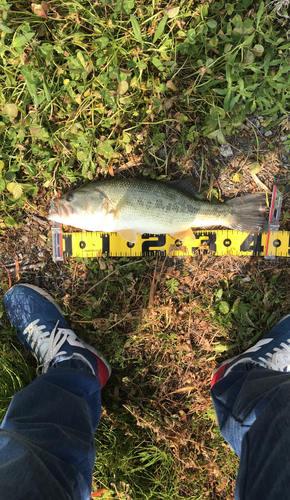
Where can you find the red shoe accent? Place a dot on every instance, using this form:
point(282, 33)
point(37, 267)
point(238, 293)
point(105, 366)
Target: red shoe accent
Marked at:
point(218, 374)
point(103, 371)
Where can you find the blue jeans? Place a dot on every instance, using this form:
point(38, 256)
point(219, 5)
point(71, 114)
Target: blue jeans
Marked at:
point(252, 404)
point(47, 448)
point(47, 445)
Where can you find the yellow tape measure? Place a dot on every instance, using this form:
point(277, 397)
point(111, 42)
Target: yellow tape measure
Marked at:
point(220, 242)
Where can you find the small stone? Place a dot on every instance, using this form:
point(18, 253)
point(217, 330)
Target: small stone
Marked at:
point(254, 121)
point(161, 153)
point(283, 138)
point(268, 133)
point(242, 140)
point(260, 117)
point(226, 150)
point(244, 145)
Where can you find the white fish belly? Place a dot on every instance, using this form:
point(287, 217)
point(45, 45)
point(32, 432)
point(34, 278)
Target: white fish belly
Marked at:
point(149, 223)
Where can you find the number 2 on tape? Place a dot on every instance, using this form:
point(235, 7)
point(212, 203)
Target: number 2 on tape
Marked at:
point(147, 245)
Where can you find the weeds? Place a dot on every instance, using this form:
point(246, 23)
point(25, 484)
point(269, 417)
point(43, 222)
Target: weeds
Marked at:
point(15, 375)
point(93, 89)
point(84, 86)
point(148, 471)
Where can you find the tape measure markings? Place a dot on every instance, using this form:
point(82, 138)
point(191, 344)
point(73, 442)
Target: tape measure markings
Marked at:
point(220, 242)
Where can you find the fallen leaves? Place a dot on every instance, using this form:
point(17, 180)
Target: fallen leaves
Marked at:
point(40, 10)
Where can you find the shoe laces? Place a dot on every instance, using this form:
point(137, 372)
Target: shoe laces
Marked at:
point(280, 359)
point(45, 344)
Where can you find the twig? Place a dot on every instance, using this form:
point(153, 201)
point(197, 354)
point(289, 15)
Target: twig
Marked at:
point(256, 131)
point(121, 320)
point(110, 274)
point(40, 221)
point(16, 265)
point(152, 286)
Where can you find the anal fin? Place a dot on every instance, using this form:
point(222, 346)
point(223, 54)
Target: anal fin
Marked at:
point(184, 235)
point(128, 235)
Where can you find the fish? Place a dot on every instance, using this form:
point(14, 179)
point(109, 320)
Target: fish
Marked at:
point(143, 206)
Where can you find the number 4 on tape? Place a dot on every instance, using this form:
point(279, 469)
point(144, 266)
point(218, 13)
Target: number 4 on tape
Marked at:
point(273, 241)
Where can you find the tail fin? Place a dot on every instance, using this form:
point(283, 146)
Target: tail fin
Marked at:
point(247, 214)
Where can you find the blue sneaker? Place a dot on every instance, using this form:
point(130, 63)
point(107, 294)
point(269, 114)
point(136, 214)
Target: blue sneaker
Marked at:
point(43, 330)
point(272, 351)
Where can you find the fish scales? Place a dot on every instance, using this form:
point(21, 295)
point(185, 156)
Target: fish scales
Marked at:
point(137, 206)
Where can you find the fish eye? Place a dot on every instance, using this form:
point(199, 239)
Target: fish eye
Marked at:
point(69, 197)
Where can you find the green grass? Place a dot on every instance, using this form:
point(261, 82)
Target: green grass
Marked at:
point(15, 375)
point(125, 459)
point(95, 89)
point(90, 84)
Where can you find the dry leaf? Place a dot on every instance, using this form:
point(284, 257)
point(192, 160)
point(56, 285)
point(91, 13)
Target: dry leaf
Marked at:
point(40, 10)
point(167, 103)
point(203, 70)
point(183, 389)
point(260, 183)
point(237, 177)
point(11, 110)
point(254, 168)
point(78, 98)
point(170, 85)
point(102, 265)
point(123, 87)
point(111, 170)
point(172, 12)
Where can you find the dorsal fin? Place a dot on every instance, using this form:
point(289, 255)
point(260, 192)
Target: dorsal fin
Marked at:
point(185, 185)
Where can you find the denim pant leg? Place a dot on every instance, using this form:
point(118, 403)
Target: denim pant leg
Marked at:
point(252, 404)
point(47, 448)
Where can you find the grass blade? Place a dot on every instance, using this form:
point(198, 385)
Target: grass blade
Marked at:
point(160, 29)
point(260, 12)
point(136, 29)
point(46, 90)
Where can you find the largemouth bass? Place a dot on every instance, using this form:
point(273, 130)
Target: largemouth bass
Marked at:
point(137, 206)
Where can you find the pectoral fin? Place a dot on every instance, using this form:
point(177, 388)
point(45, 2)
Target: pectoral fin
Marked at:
point(184, 235)
point(128, 235)
point(97, 219)
point(116, 210)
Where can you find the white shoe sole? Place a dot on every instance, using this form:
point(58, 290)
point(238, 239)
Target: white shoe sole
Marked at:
point(227, 361)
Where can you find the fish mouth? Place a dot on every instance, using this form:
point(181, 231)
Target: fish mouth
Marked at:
point(63, 210)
